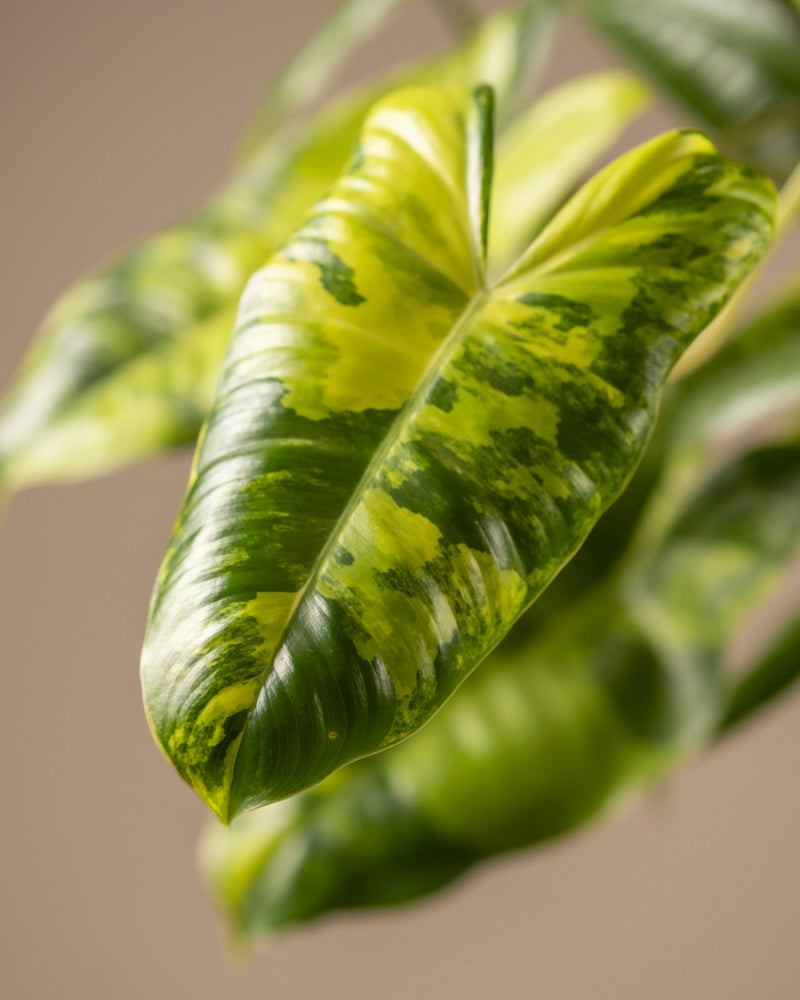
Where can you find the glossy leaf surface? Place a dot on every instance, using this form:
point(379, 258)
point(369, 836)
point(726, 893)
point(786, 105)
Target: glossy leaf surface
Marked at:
point(339, 566)
point(85, 392)
point(736, 63)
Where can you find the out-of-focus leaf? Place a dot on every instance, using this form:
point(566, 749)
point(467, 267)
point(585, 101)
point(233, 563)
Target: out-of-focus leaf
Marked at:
point(338, 569)
point(185, 282)
point(510, 45)
point(156, 401)
point(749, 395)
point(723, 556)
point(550, 732)
point(736, 63)
point(771, 677)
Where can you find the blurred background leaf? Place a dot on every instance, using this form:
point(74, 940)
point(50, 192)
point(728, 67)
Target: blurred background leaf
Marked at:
point(735, 63)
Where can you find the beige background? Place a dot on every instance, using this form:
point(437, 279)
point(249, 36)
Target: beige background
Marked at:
point(116, 118)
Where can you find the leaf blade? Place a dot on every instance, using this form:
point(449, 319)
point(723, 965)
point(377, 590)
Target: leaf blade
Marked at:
point(330, 637)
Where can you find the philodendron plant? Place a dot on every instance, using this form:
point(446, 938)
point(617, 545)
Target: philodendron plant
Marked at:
point(436, 400)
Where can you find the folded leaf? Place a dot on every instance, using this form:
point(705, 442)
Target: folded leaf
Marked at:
point(60, 421)
point(736, 63)
point(398, 460)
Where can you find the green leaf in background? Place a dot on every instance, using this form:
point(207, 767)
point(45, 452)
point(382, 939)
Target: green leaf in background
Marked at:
point(736, 63)
point(722, 559)
point(590, 710)
point(106, 381)
point(749, 394)
point(338, 566)
point(776, 672)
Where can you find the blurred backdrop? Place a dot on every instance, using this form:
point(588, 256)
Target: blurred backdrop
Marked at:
point(116, 119)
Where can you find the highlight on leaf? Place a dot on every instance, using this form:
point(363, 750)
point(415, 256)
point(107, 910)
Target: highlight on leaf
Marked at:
point(400, 456)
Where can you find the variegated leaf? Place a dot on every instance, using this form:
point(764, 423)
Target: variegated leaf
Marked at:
point(590, 708)
point(100, 386)
point(399, 459)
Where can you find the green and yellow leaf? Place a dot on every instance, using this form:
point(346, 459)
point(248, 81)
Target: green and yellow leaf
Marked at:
point(404, 823)
point(399, 459)
point(159, 399)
